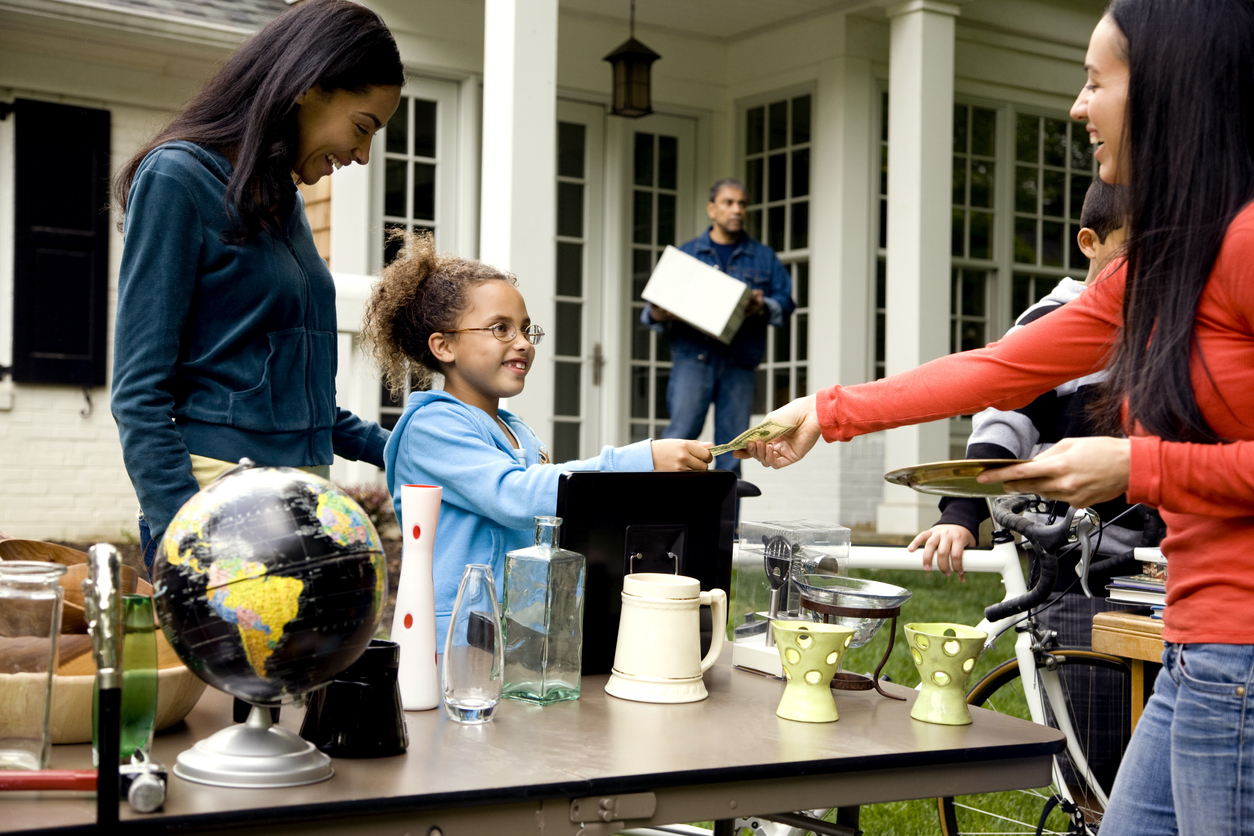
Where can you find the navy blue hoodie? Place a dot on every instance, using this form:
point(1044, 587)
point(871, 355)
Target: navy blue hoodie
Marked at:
point(221, 350)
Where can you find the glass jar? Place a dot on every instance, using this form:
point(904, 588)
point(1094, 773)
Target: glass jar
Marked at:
point(30, 620)
point(543, 619)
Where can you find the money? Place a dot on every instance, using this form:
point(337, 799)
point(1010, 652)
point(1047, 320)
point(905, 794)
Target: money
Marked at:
point(768, 430)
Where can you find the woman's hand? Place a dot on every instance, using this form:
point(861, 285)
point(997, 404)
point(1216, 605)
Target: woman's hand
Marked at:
point(680, 454)
point(1079, 471)
point(946, 542)
point(790, 447)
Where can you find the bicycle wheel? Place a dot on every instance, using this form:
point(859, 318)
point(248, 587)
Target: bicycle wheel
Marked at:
point(1084, 674)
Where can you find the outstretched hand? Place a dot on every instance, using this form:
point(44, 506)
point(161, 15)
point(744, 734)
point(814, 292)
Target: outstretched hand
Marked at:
point(946, 543)
point(790, 447)
point(1078, 471)
point(680, 454)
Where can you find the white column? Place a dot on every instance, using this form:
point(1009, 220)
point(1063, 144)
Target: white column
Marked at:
point(517, 220)
point(920, 124)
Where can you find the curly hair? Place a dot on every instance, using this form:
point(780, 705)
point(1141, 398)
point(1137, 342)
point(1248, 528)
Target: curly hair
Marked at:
point(419, 294)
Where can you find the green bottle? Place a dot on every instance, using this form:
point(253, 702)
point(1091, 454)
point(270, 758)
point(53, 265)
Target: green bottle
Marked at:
point(139, 679)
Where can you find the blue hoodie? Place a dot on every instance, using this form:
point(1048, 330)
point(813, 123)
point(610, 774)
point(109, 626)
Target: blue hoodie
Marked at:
point(221, 350)
point(491, 492)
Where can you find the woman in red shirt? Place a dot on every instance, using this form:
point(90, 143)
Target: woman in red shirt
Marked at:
point(1170, 105)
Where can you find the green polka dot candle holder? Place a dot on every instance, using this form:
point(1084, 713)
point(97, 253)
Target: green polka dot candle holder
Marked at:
point(811, 654)
point(945, 654)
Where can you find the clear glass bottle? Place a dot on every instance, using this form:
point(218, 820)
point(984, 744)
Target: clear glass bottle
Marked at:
point(472, 664)
point(543, 619)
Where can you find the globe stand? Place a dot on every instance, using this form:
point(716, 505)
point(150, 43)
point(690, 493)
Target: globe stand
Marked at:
point(255, 754)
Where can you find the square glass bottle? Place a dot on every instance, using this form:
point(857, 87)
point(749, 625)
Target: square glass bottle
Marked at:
point(543, 619)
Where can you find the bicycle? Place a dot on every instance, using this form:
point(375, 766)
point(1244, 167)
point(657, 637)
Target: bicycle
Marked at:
point(1045, 694)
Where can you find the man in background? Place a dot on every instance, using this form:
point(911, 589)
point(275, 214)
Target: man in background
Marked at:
point(706, 371)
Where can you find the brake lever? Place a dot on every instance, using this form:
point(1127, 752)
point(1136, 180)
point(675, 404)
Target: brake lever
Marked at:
point(1085, 524)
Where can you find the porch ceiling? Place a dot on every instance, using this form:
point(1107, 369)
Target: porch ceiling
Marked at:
point(712, 19)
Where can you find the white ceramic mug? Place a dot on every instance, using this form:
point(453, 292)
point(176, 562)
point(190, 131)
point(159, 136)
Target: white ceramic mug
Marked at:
point(658, 655)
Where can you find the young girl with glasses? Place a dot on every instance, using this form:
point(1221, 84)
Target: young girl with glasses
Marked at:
point(462, 319)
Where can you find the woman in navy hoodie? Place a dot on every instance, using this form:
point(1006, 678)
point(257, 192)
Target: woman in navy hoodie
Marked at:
point(225, 344)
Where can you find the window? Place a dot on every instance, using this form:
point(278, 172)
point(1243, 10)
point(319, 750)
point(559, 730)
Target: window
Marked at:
point(568, 330)
point(777, 176)
point(972, 230)
point(61, 244)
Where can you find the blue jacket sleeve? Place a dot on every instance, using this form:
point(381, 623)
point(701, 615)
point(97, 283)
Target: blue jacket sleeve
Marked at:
point(358, 439)
point(444, 445)
point(160, 261)
point(778, 300)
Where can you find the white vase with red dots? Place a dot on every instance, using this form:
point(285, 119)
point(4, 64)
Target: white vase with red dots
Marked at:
point(413, 624)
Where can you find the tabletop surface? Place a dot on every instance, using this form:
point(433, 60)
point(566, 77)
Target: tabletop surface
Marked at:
point(596, 744)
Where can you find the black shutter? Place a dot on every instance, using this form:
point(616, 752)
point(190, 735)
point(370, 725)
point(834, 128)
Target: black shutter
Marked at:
point(60, 268)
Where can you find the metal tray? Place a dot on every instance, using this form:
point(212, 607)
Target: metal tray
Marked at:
point(953, 478)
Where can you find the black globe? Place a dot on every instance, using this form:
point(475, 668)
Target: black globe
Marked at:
point(269, 582)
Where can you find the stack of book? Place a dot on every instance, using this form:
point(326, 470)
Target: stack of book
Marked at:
point(1149, 588)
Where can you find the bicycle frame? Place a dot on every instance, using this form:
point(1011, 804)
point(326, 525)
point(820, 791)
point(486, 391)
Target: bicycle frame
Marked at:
point(1002, 559)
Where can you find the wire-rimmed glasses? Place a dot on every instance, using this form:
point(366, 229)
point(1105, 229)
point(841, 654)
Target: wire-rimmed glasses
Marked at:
point(506, 333)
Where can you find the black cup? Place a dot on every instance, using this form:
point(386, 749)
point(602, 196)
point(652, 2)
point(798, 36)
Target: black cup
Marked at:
point(359, 714)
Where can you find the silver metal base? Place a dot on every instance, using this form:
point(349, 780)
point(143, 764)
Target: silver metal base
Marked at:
point(256, 754)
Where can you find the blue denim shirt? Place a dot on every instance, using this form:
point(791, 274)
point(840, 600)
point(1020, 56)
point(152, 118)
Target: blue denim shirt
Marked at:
point(756, 265)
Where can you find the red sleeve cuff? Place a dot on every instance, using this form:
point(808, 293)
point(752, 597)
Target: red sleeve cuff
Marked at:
point(1145, 476)
point(825, 406)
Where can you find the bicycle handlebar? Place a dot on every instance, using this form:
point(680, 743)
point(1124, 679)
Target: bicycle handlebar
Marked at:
point(1008, 513)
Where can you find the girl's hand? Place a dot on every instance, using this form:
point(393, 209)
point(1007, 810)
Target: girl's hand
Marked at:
point(1079, 471)
point(946, 542)
point(790, 447)
point(680, 454)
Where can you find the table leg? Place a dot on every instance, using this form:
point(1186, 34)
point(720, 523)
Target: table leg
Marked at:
point(1138, 690)
point(725, 827)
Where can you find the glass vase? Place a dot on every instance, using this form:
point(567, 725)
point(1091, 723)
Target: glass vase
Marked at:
point(473, 662)
point(139, 680)
point(30, 620)
point(544, 587)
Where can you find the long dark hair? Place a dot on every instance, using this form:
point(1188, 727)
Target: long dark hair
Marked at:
point(249, 106)
point(1189, 143)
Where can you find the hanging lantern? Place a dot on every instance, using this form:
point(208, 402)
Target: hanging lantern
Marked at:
point(631, 63)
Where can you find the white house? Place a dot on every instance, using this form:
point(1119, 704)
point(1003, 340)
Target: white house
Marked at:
point(912, 162)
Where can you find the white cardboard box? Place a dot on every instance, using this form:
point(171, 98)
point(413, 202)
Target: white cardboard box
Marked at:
point(703, 296)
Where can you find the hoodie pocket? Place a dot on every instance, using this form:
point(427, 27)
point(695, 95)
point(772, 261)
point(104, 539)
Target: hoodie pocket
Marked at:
point(279, 403)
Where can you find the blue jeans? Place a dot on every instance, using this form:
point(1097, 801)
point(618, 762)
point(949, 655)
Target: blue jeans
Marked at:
point(1189, 768)
point(698, 381)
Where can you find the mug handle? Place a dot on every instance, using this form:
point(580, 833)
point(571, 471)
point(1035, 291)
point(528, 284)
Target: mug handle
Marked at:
point(716, 600)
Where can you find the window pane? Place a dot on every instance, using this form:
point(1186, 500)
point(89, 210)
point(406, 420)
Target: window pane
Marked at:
point(801, 172)
point(643, 159)
point(802, 382)
point(424, 128)
point(424, 191)
point(777, 177)
point(660, 380)
point(1078, 263)
point(884, 117)
point(639, 337)
point(883, 242)
point(800, 225)
point(388, 420)
point(1053, 184)
point(783, 342)
point(1025, 189)
point(982, 183)
point(755, 126)
point(641, 269)
point(1079, 188)
point(570, 149)
point(1025, 240)
point(568, 330)
point(981, 242)
point(569, 269)
point(957, 232)
point(801, 284)
point(881, 283)
point(667, 162)
point(391, 246)
point(775, 228)
point(801, 120)
point(394, 187)
point(665, 219)
point(1055, 142)
point(1020, 293)
point(565, 441)
point(1052, 245)
point(1081, 150)
point(983, 132)
point(778, 114)
point(639, 391)
point(662, 354)
point(642, 218)
point(398, 130)
point(884, 170)
point(803, 339)
point(759, 392)
point(753, 223)
point(959, 189)
point(570, 209)
point(960, 129)
point(972, 336)
point(783, 391)
point(1027, 138)
point(972, 293)
point(753, 180)
point(639, 432)
point(566, 388)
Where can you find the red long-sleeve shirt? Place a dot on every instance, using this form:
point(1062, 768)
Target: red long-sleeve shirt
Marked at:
point(1204, 492)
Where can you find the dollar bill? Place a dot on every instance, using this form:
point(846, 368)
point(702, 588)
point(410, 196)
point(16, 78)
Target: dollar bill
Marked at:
point(768, 430)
